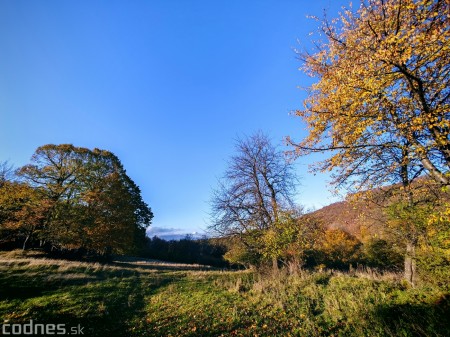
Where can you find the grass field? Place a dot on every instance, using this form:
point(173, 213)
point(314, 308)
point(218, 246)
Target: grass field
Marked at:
point(144, 298)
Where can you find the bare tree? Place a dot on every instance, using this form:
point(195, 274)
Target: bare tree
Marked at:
point(6, 172)
point(257, 185)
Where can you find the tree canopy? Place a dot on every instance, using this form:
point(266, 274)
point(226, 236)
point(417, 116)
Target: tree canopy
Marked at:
point(79, 198)
point(381, 100)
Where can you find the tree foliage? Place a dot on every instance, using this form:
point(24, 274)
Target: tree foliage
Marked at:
point(382, 96)
point(84, 199)
point(434, 248)
point(382, 254)
point(423, 227)
point(337, 249)
point(22, 212)
point(291, 237)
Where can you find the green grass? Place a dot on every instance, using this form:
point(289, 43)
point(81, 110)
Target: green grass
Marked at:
point(138, 298)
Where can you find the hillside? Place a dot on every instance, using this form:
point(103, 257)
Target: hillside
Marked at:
point(357, 218)
point(364, 216)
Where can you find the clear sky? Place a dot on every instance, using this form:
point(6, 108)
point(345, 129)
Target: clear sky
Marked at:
point(166, 85)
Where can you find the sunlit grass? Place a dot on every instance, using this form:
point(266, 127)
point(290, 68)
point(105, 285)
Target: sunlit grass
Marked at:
point(139, 298)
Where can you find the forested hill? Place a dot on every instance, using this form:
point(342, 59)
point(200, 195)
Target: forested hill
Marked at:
point(356, 218)
point(365, 215)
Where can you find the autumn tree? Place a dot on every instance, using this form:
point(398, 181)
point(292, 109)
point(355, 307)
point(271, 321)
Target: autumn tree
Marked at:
point(21, 209)
point(93, 204)
point(22, 212)
point(257, 186)
point(337, 248)
point(291, 237)
point(434, 253)
point(408, 221)
point(381, 101)
point(382, 90)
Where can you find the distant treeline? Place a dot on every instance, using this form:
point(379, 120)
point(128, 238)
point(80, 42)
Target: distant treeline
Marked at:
point(336, 249)
point(199, 251)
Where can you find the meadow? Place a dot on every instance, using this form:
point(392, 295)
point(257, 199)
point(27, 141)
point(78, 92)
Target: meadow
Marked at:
point(136, 297)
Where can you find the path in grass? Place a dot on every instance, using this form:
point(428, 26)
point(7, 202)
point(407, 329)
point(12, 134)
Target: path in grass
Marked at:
point(135, 297)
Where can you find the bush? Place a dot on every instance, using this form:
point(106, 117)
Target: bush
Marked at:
point(381, 254)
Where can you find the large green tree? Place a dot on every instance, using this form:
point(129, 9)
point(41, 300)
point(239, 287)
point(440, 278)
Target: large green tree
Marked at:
point(93, 203)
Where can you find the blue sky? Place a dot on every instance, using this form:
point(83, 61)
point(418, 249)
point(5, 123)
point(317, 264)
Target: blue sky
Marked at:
point(166, 85)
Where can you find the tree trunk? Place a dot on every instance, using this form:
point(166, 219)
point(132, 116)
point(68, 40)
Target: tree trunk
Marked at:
point(29, 235)
point(410, 264)
point(25, 242)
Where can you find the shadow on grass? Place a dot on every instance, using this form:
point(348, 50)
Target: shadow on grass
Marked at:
point(103, 303)
point(24, 286)
point(108, 308)
point(417, 319)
